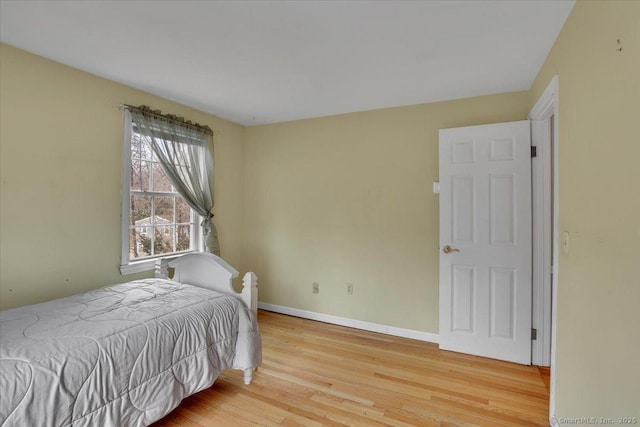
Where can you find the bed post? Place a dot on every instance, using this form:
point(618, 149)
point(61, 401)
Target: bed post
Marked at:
point(161, 270)
point(250, 297)
point(250, 292)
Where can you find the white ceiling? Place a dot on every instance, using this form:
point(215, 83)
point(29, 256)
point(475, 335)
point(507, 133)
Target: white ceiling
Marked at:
point(256, 62)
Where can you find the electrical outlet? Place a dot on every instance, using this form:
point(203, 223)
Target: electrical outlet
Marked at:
point(349, 288)
point(316, 287)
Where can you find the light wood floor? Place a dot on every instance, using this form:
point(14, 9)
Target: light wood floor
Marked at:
point(317, 374)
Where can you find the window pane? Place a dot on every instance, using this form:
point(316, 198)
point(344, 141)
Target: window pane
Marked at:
point(140, 210)
point(140, 242)
point(145, 149)
point(135, 146)
point(145, 175)
point(133, 249)
point(160, 180)
point(164, 209)
point(135, 161)
point(164, 239)
point(135, 175)
point(184, 238)
point(183, 211)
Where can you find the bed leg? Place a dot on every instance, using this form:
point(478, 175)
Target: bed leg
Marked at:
point(248, 376)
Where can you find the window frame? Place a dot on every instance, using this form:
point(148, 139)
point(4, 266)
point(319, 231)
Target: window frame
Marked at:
point(128, 266)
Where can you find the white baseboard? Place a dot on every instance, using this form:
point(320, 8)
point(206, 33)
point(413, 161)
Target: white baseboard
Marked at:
point(553, 422)
point(352, 323)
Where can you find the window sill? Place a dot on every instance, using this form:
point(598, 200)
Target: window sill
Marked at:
point(138, 266)
point(149, 264)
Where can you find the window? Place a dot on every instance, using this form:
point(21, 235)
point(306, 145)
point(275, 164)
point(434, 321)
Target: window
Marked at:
point(156, 221)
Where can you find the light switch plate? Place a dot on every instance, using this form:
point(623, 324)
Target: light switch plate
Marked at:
point(436, 188)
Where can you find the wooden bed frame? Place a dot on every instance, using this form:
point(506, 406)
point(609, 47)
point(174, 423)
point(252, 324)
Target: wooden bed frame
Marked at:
point(209, 271)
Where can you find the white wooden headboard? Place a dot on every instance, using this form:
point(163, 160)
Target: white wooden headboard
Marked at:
point(209, 271)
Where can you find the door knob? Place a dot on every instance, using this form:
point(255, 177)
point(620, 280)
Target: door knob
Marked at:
point(448, 249)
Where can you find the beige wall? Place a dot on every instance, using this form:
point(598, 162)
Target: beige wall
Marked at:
point(598, 339)
point(61, 149)
point(348, 199)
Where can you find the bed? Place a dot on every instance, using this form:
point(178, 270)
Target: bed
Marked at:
point(126, 355)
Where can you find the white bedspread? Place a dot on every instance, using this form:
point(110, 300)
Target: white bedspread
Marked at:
point(119, 356)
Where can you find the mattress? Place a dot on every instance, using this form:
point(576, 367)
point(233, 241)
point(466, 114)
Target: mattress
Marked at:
point(124, 355)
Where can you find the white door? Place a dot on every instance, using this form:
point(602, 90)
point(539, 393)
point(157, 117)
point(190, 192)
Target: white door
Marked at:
point(485, 241)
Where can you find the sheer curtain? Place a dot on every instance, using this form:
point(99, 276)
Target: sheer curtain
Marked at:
point(184, 152)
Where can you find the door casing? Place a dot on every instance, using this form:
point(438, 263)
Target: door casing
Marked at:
point(545, 107)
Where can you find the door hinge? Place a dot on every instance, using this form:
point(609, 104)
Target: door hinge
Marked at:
point(534, 151)
point(534, 334)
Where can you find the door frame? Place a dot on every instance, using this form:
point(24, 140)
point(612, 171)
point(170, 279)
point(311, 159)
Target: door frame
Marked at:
point(545, 107)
